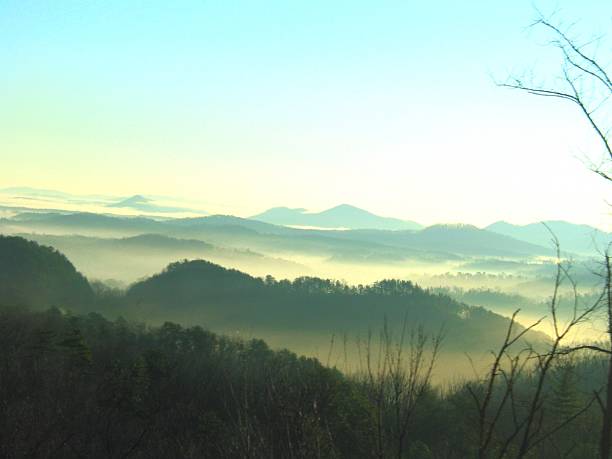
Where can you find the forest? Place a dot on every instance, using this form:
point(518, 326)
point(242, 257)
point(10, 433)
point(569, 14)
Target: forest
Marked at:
point(138, 389)
point(84, 386)
point(305, 230)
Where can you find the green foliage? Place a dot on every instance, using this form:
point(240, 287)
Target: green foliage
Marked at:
point(85, 386)
point(94, 388)
point(200, 292)
point(39, 277)
point(229, 299)
point(88, 387)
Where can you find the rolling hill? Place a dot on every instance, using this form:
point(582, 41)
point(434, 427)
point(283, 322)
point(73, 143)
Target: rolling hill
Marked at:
point(308, 306)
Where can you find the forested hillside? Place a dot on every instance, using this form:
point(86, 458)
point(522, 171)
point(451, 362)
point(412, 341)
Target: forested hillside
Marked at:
point(86, 387)
point(202, 293)
point(230, 300)
point(83, 386)
point(148, 387)
point(39, 276)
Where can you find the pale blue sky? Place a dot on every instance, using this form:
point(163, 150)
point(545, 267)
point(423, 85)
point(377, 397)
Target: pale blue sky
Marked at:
point(388, 105)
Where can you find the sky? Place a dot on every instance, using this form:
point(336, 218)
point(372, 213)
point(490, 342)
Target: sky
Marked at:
point(244, 105)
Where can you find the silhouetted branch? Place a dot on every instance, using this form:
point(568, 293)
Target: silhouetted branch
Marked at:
point(584, 66)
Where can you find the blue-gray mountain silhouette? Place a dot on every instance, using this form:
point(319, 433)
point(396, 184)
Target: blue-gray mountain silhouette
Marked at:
point(572, 237)
point(143, 204)
point(229, 231)
point(342, 216)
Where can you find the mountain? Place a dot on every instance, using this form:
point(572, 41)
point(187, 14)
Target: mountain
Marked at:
point(468, 239)
point(231, 300)
point(220, 230)
point(17, 199)
point(132, 202)
point(572, 237)
point(448, 239)
point(144, 204)
point(439, 242)
point(342, 216)
point(40, 277)
point(230, 221)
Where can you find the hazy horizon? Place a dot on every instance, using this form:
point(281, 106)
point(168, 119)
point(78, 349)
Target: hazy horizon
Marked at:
point(292, 229)
point(197, 208)
point(392, 108)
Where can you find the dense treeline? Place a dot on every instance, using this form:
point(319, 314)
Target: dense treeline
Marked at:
point(39, 276)
point(86, 387)
point(83, 386)
point(202, 293)
point(225, 298)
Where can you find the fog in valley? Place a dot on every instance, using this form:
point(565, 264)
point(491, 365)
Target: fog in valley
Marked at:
point(269, 230)
point(477, 267)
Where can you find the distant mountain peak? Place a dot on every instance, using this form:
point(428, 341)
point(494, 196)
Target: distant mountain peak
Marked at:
point(132, 201)
point(347, 206)
point(341, 216)
point(142, 203)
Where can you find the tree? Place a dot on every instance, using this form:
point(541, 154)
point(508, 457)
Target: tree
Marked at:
point(397, 377)
point(585, 82)
point(496, 394)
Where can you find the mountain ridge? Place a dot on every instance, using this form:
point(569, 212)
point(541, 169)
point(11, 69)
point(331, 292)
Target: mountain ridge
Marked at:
point(341, 216)
point(572, 237)
point(229, 230)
